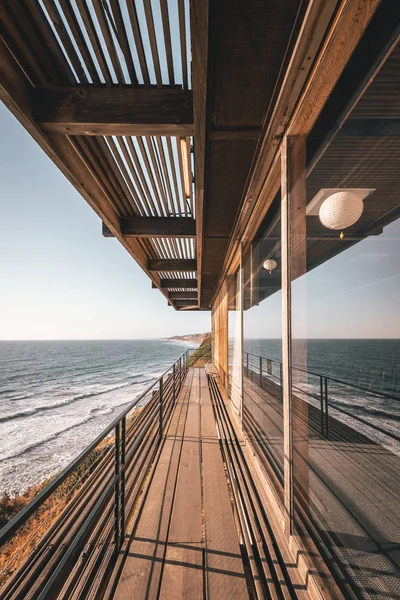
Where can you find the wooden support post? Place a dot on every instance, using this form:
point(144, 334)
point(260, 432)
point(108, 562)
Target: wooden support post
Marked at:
point(241, 308)
point(293, 189)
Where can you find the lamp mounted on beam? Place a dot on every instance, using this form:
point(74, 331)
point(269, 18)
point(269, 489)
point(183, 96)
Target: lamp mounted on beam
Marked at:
point(338, 208)
point(341, 210)
point(269, 265)
point(186, 166)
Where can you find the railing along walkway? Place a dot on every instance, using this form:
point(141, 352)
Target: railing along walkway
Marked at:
point(353, 487)
point(169, 509)
point(194, 535)
point(184, 538)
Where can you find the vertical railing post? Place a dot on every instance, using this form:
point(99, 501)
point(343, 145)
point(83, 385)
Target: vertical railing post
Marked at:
point(326, 410)
point(173, 384)
point(321, 397)
point(247, 364)
point(261, 375)
point(161, 407)
point(116, 487)
point(281, 380)
point(122, 483)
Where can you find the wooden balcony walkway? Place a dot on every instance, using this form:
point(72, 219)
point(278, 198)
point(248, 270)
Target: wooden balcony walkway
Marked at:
point(184, 541)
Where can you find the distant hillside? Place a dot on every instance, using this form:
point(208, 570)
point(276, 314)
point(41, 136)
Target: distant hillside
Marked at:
point(196, 338)
point(202, 355)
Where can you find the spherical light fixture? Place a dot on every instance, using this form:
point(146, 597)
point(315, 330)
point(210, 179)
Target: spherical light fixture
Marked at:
point(341, 210)
point(270, 264)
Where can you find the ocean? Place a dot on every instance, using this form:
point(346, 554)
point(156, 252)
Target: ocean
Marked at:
point(55, 397)
point(371, 368)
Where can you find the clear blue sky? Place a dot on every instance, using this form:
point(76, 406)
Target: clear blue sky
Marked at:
point(60, 279)
point(354, 295)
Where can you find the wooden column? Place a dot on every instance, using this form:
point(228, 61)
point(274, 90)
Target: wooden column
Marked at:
point(293, 189)
point(241, 306)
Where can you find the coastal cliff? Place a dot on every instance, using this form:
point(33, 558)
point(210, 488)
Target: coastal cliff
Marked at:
point(196, 338)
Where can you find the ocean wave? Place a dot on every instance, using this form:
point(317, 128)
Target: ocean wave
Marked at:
point(47, 407)
point(49, 438)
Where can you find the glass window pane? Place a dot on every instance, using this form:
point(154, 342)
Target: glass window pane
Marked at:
point(262, 332)
point(346, 349)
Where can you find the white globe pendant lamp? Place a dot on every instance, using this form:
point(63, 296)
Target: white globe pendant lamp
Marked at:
point(341, 210)
point(270, 264)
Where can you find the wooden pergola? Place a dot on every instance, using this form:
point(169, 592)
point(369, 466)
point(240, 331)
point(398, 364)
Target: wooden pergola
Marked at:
point(169, 119)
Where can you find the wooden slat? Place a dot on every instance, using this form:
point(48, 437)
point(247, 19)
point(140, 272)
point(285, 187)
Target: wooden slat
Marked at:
point(183, 303)
point(183, 567)
point(174, 177)
point(158, 227)
point(182, 39)
point(91, 110)
point(199, 34)
point(153, 41)
point(109, 41)
point(167, 40)
point(172, 265)
point(224, 566)
point(123, 40)
point(94, 40)
point(138, 41)
point(79, 40)
point(182, 295)
point(178, 283)
point(350, 23)
point(137, 168)
point(55, 17)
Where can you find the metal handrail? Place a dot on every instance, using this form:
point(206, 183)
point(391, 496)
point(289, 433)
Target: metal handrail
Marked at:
point(323, 396)
point(23, 515)
point(330, 378)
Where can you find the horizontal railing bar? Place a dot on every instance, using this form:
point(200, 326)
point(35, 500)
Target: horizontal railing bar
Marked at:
point(82, 532)
point(329, 378)
point(22, 516)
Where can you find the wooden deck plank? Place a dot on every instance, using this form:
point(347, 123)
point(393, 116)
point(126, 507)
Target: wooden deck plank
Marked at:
point(183, 568)
point(225, 577)
point(140, 577)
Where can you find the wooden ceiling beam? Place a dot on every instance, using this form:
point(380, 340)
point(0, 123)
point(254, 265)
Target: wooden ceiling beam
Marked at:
point(177, 283)
point(325, 43)
point(180, 303)
point(188, 295)
point(199, 17)
point(95, 110)
point(157, 227)
point(15, 93)
point(172, 265)
point(168, 227)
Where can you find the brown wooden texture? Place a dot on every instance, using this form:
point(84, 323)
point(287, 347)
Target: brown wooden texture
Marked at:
point(183, 568)
point(178, 283)
point(349, 24)
point(182, 295)
point(158, 227)
point(172, 265)
point(223, 562)
point(199, 33)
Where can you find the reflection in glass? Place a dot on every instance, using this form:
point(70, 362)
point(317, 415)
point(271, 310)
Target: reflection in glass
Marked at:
point(346, 357)
point(262, 318)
